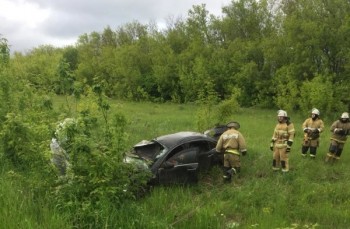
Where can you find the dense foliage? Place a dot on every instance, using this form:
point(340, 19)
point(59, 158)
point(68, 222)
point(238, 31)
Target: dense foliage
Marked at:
point(93, 143)
point(274, 52)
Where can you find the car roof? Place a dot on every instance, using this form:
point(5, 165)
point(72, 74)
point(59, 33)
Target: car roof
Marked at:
point(171, 140)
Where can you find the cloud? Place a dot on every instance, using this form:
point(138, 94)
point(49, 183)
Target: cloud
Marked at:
point(29, 23)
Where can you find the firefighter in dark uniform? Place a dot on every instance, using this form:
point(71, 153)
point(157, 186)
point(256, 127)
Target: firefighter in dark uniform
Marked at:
point(312, 128)
point(232, 144)
point(281, 142)
point(340, 130)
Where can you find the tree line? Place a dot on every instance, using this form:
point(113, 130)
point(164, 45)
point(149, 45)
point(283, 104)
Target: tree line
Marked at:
point(276, 54)
point(291, 54)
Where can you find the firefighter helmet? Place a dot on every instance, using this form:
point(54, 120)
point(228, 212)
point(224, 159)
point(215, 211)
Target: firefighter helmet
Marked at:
point(345, 115)
point(315, 111)
point(233, 124)
point(282, 113)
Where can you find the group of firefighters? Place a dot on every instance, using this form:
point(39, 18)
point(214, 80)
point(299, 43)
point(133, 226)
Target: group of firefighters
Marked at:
point(232, 142)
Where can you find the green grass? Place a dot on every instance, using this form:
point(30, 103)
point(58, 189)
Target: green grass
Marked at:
point(148, 120)
point(312, 195)
point(20, 209)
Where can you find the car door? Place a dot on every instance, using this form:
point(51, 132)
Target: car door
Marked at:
point(206, 154)
point(182, 167)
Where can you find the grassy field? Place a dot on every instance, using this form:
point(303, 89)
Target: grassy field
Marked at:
point(312, 195)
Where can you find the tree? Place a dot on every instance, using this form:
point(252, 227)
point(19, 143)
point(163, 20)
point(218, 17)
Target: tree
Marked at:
point(4, 52)
point(246, 19)
point(5, 84)
point(71, 56)
point(38, 67)
point(320, 93)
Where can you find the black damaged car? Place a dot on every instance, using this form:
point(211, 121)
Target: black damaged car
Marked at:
point(175, 158)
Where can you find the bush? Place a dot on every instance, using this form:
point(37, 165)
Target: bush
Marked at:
point(319, 93)
point(227, 108)
point(96, 174)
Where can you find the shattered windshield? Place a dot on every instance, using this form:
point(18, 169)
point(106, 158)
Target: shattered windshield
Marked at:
point(160, 153)
point(149, 150)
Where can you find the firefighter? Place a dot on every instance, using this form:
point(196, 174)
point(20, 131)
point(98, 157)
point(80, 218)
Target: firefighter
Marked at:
point(340, 130)
point(282, 141)
point(312, 128)
point(232, 144)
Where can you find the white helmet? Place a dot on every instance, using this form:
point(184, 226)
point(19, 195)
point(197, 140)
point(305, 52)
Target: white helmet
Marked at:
point(315, 111)
point(282, 113)
point(345, 115)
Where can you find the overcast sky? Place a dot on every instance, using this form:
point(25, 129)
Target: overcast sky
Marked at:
point(26, 24)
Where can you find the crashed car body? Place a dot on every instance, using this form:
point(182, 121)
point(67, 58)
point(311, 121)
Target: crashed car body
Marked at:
point(175, 158)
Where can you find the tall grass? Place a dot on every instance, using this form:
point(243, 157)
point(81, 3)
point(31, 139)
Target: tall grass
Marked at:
point(312, 195)
point(20, 208)
point(149, 120)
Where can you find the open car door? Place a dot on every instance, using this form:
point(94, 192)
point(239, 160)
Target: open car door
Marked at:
point(180, 168)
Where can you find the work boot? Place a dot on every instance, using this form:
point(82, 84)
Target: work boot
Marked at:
point(274, 166)
point(336, 159)
point(234, 171)
point(338, 154)
point(329, 158)
point(284, 166)
point(227, 174)
point(313, 151)
point(304, 150)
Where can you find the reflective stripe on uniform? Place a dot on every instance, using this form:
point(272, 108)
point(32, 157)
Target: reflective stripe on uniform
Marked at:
point(280, 145)
point(282, 132)
point(339, 141)
point(233, 151)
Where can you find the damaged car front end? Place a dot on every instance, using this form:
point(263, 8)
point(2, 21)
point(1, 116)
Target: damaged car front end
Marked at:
point(175, 158)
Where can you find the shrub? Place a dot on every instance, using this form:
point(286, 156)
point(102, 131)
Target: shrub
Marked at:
point(319, 93)
point(96, 174)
